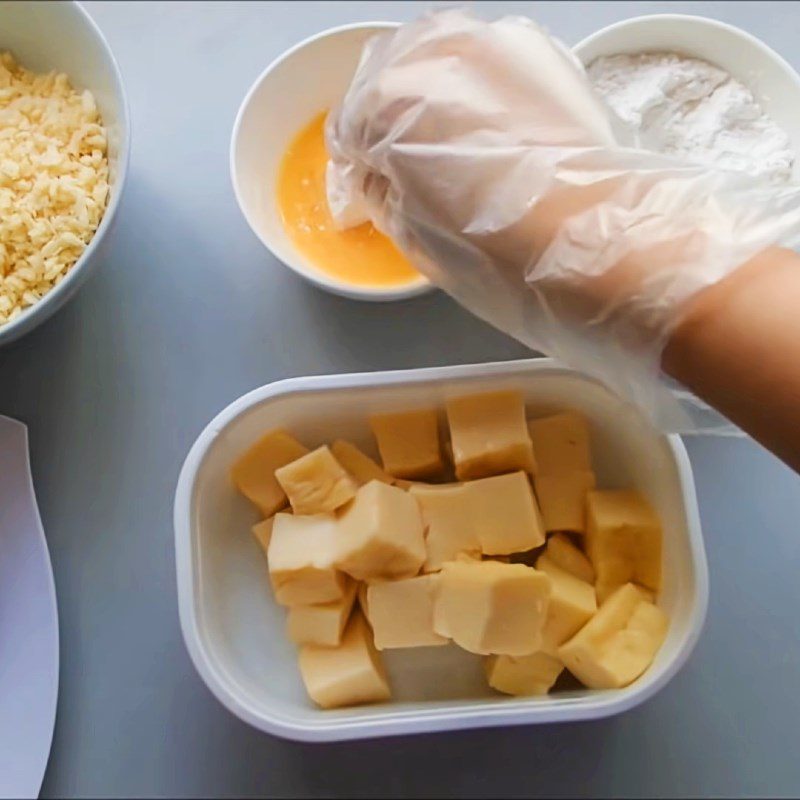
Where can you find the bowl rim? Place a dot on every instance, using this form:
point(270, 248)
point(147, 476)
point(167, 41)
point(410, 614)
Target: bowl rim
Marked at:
point(293, 260)
point(697, 20)
point(436, 718)
point(36, 314)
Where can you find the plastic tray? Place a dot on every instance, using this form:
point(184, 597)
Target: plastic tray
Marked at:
point(235, 632)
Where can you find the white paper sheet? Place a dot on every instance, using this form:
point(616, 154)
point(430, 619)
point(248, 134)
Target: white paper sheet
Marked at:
point(28, 624)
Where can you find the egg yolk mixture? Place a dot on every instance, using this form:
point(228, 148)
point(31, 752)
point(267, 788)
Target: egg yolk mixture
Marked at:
point(360, 255)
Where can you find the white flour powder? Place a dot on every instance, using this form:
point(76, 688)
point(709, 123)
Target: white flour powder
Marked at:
point(692, 109)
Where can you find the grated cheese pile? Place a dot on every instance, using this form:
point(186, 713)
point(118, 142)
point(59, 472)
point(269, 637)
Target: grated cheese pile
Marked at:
point(53, 181)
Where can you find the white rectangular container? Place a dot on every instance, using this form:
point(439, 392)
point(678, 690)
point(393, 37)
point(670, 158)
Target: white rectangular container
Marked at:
point(235, 632)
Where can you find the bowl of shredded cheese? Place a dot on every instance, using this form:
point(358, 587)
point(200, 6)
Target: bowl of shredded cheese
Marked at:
point(64, 141)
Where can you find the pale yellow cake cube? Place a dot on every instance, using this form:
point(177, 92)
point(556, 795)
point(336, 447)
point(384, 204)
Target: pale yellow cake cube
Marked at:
point(347, 675)
point(562, 499)
point(449, 524)
point(619, 643)
point(505, 514)
point(409, 443)
point(381, 534)
point(565, 554)
point(561, 443)
point(523, 676)
point(316, 482)
point(323, 623)
point(493, 516)
point(262, 531)
point(401, 612)
point(623, 541)
point(360, 466)
point(488, 607)
point(572, 605)
point(254, 472)
point(489, 435)
point(302, 559)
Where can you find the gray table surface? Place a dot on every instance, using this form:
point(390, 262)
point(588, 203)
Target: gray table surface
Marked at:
point(189, 313)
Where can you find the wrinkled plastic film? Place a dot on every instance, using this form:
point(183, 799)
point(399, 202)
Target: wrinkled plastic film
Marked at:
point(481, 149)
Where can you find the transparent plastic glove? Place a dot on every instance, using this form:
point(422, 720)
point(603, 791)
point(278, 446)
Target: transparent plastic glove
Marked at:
point(481, 149)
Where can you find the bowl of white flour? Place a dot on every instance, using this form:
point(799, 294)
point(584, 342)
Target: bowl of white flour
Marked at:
point(700, 90)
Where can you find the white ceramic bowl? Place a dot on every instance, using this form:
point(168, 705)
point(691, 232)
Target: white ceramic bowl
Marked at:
point(774, 83)
point(235, 632)
point(309, 78)
point(63, 37)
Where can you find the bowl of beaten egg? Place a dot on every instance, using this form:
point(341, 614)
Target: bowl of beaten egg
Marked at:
point(60, 187)
point(277, 163)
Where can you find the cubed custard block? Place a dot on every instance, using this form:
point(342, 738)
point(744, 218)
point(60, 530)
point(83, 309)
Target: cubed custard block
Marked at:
point(561, 443)
point(262, 532)
point(563, 552)
point(623, 541)
point(324, 623)
point(381, 534)
point(523, 676)
point(618, 644)
point(505, 514)
point(316, 483)
point(491, 516)
point(572, 605)
point(449, 529)
point(409, 443)
point(361, 467)
point(562, 499)
point(489, 435)
point(302, 557)
point(401, 612)
point(254, 471)
point(347, 675)
point(488, 607)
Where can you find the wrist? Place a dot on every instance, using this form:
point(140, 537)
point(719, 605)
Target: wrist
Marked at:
point(717, 309)
point(737, 344)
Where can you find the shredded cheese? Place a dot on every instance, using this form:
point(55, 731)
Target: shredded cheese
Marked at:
point(53, 181)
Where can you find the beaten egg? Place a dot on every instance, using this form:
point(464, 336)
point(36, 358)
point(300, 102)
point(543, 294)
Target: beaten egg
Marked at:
point(360, 255)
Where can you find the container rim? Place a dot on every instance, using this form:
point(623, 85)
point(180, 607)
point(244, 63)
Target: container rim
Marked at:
point(697, 20)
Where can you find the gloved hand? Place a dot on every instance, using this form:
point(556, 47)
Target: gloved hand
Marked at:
point(481, 149)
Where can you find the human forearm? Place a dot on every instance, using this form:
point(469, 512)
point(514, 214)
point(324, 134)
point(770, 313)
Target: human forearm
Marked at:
point(481, 149)
point(737, 347)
